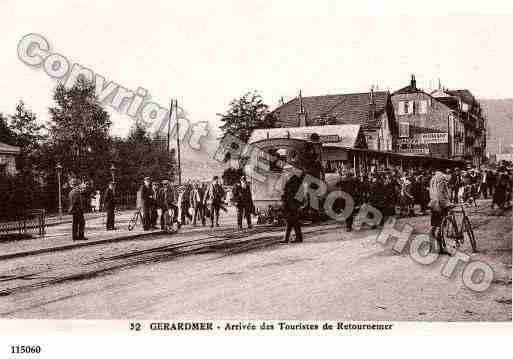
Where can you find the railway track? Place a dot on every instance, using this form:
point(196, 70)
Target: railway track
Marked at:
point(227, 243)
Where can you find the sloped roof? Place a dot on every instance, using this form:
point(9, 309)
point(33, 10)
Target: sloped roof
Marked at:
point(8, 149)
point(344, 109)
point(450, 102)
point(407, 89)
point(465, 95)
point(348, 134)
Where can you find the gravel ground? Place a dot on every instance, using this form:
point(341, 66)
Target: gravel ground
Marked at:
point(225, 274)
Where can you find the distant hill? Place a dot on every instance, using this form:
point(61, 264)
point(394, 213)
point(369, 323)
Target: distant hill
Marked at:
point(500, 124)
point(199, 164)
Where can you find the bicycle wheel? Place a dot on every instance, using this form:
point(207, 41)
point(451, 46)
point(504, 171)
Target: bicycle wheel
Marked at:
point(450, 234)
point(468, 234)
point(132, 222)
point(170, 226)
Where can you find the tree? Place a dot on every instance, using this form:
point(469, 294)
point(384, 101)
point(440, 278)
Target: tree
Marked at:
point(6, 134)
point(28, 136)
point(245, 115)
point(26, 129)
point(138, 156)
point(79, 132)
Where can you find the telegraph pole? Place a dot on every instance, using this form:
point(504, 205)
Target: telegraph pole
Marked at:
point(169, 128)
point(178, 144)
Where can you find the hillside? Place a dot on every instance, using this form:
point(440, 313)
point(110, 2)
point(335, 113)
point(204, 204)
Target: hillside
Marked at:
point(500, 124)
point(199, 164)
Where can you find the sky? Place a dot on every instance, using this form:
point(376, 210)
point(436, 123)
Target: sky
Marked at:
point(207, 53)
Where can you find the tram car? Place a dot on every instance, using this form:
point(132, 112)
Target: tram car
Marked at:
point(322, 152)
point(277, 160)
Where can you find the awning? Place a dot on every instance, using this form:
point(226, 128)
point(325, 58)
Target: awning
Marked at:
point(8, 149)
point(330, 135)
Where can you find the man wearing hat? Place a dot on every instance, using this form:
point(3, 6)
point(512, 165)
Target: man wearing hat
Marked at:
point(76, 208)
point(167, 199)
point(145, 194)
point(214, 199)
point(292, 205)
point(243, 202)
point(109, 204)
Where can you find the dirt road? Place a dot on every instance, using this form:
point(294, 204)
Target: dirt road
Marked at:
point(226, 274)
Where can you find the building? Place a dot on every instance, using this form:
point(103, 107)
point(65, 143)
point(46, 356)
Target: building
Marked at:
point(8, 155)
point(444, 123)
point(372, 111)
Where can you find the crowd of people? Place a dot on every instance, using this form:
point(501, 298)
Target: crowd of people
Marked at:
point(393, 192)
point(396, 193)
point(193, 202)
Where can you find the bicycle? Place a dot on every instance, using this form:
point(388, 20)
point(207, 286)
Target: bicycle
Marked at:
point(133, 221)
point(454, 236)
point(171, 224)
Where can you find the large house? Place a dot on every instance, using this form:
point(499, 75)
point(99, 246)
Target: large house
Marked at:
point(372, 111)
point(8, 155)
point(444, 124)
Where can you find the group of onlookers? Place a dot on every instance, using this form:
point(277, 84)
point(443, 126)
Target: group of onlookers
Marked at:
point(393, 192)
point(79, 203)
point(192, 202)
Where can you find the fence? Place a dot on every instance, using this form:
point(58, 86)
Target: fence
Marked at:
point(30, 222)
point(126, 200)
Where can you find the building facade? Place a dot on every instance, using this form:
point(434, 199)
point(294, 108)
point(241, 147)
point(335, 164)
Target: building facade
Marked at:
point(371, 110)
point(445, 124)
point(8, 155)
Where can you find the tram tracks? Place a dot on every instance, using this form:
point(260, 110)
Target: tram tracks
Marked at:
point(225, 244)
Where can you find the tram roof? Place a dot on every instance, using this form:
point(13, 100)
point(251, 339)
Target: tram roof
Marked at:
point(345, 136)
point(9, 149)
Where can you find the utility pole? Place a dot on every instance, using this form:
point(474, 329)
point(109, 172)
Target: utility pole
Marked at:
point(169, 128)
point(178, 144)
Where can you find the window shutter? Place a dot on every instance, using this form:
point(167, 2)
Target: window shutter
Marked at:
point(423, 106)
point(412, 107)
point(401, 108)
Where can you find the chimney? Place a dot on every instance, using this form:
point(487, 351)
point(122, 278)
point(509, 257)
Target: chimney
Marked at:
point(372, 104)
point(302, 112)
point(413, 82)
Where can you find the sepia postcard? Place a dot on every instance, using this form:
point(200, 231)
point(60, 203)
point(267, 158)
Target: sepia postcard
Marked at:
point(198, 170)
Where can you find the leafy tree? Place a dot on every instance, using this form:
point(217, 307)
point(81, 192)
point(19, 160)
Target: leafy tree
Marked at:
point(79, 132)
point(245, 115)
point(26, 129)
point(28, 136)
point(6, 134)
point(140, 155)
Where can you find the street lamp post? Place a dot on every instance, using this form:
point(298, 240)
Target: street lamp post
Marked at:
point(59, 171)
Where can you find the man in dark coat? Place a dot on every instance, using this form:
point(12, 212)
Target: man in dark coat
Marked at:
point(214, 199)
point(197, 202)
point(168, 199)
point(491, 181)
point(146, 198)
point(76, 208)
point(390, 196)
point(377, 195)
point(155, 204)
point(109, 204)
point(292, 207)
point(243, 202)
point(352, 186)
